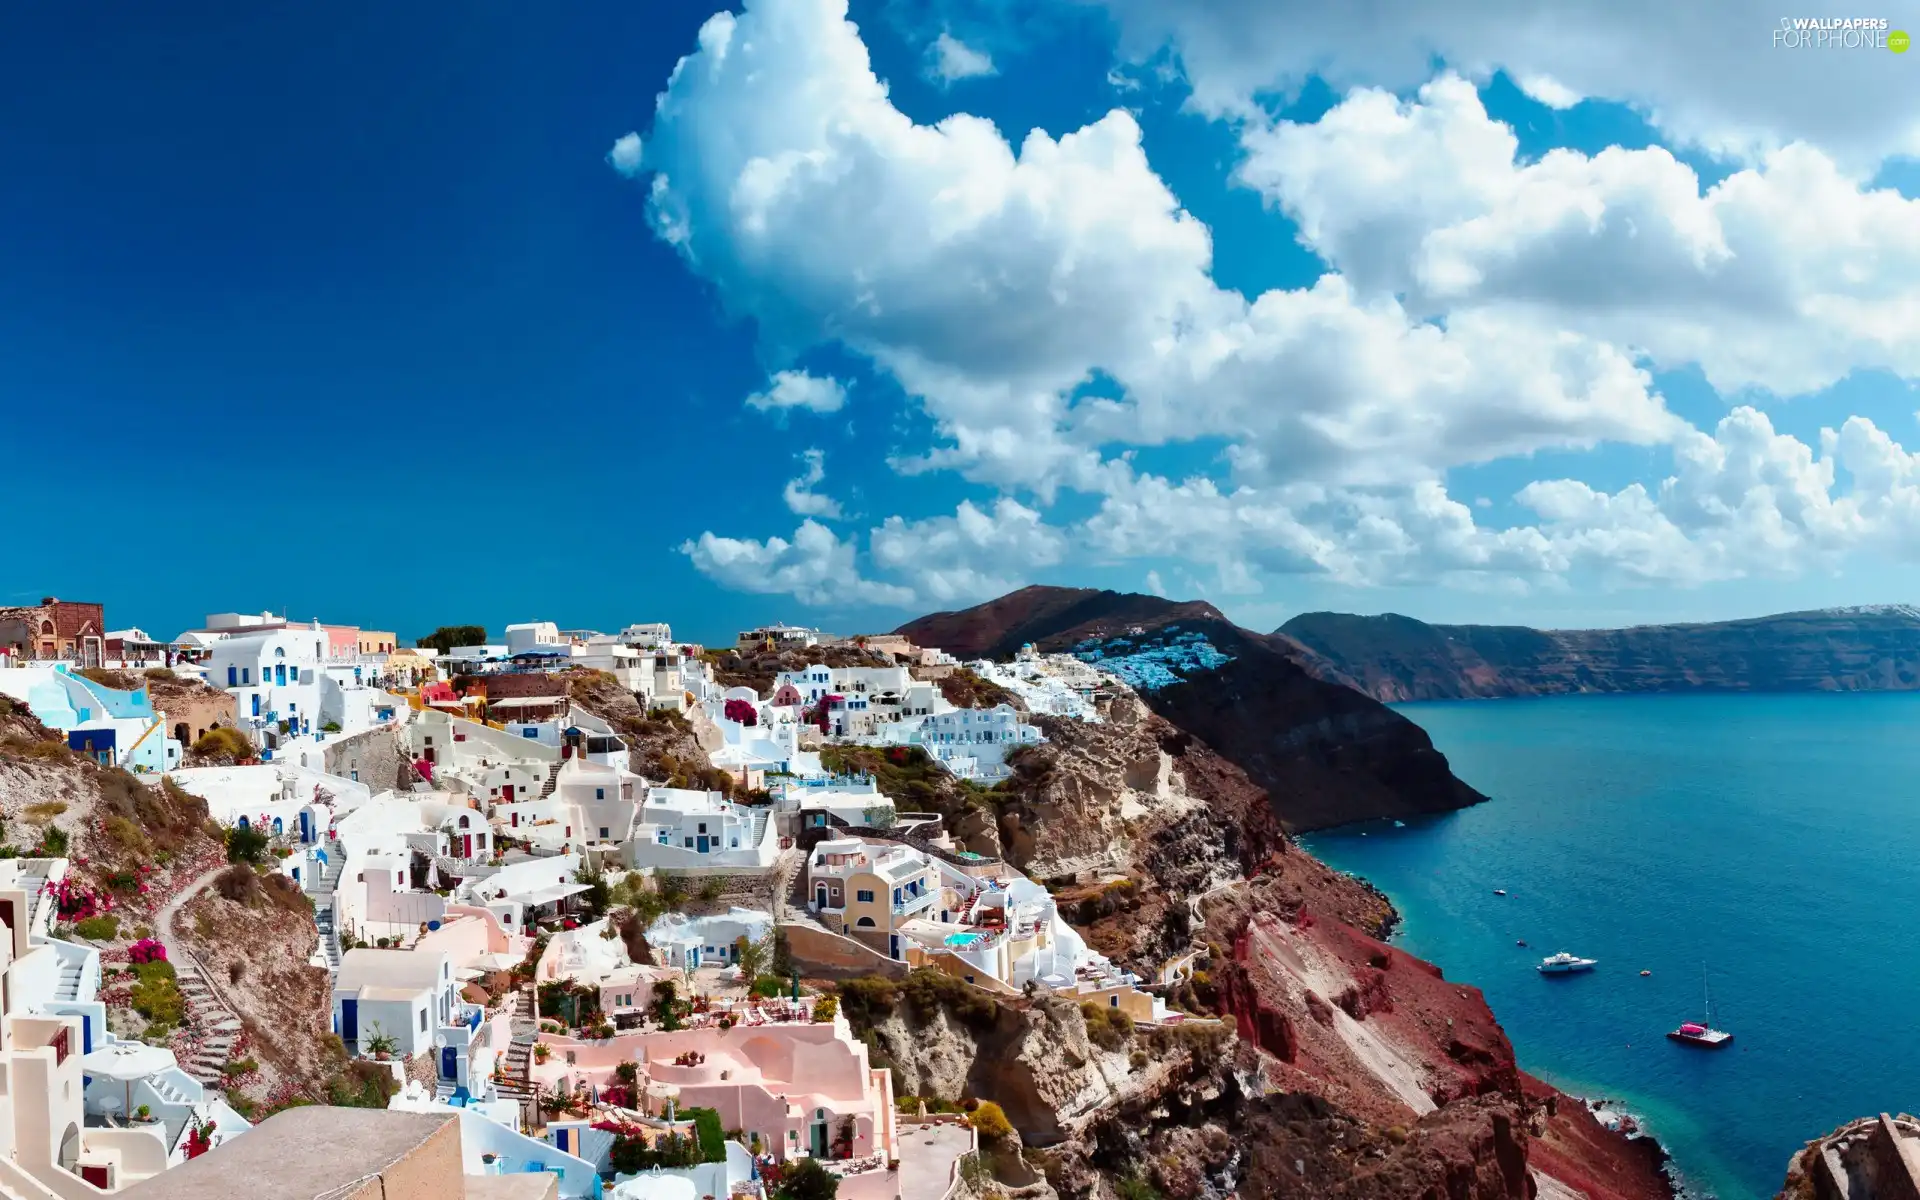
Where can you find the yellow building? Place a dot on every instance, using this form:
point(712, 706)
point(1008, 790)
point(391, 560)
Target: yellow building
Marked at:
point(869, 889)
point(378, 641)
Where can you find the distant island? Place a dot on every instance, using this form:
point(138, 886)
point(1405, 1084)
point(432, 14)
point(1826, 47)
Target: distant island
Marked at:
point(1394, 658)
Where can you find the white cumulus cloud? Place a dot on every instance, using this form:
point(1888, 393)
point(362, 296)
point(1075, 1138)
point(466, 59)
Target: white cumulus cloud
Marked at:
point(949, 59)
point(974, 554)
point(1705, 73)
point(1786, 275)
point(625, 157)
point(814, 567)
point(789, 390)
point(1478, 308)
point(801, 499)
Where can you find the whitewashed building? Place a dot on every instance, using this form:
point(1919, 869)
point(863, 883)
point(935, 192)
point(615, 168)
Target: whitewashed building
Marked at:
point(682, 828)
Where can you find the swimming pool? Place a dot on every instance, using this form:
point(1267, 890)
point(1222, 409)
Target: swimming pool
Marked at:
point(962, 940)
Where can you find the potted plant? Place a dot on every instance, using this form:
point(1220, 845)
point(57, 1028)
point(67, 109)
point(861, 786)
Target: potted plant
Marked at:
point(143, 1113)
point(381, 1045)
point(542, 1052)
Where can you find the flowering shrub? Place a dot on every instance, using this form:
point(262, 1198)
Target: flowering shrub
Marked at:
point(199, 1139)
point(742, 712)
point(146, 950)
point(74, 902)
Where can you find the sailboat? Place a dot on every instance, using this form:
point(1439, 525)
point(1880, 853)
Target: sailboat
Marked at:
point(1702, 1033)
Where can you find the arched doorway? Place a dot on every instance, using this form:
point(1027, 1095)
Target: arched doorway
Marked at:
point(817, 1133)
point(70, 1147)
point(180, 734)
point(820, 895)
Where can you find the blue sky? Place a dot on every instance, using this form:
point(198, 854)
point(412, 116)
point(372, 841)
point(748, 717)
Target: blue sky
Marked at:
point(347, 314)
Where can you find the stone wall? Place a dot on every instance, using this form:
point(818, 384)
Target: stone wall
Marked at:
point(373, 758)
point(822, 955)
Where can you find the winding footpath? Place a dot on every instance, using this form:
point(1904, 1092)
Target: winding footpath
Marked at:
point(211, 1016)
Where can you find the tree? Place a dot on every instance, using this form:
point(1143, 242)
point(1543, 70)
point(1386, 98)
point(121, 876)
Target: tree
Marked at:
point(447, 637)
point(806, 1179)
point(754, 957)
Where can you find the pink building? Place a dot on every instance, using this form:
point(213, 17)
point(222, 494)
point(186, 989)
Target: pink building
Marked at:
point(343, 641)
point(801, 1086)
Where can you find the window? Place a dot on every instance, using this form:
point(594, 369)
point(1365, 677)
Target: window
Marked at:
point(703, 827)
point(600, 794)
point(864, 896)
point(423, 1020)
point(295, 673)
point(246, 675)
point(689, 843)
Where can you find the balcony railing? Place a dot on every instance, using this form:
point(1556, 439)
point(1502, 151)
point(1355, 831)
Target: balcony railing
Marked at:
point(913, 904)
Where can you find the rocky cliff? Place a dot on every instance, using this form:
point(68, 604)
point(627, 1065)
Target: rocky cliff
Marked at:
point(1318, 1062)
point(1392, 657)
point(1325, 754)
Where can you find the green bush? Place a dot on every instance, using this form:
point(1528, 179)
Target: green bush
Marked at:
point(805, 1179)
point(224, 741)
point(246, 844)
point(98, 929)
point(156, 996)
point(712, 1136)
point(766, 987)
point(991, 1121)
point(1107, 1028)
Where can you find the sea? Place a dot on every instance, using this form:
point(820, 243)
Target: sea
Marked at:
point(1764, 849)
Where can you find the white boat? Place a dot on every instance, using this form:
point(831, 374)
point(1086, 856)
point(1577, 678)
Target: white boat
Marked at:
point(1702, 1033)
point(1564, 963)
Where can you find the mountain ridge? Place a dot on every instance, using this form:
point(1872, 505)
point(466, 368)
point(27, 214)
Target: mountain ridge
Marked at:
point(1326, 753)
point(1394, 658)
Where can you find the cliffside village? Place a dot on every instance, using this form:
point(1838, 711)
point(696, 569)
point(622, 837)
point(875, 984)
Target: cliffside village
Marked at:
point(459, 819)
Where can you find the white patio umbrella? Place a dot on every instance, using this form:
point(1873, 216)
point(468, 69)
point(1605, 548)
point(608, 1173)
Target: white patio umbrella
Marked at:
point(127, 1061)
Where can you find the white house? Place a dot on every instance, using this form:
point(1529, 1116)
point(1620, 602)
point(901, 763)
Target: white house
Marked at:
point(647, 637)
point(533, 636)
point(681, 828)
point(281, 687)
point(526, 890)
point(974, 743)
point(688, 942)
point(405, 995)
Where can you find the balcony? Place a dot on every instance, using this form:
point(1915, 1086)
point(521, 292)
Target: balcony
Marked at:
point(914, 904)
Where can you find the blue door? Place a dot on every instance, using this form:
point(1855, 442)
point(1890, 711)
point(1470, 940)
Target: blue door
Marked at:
point(702, 847)
point(280, 674)
point(306, 826)
point(349, 1020)
point(449, 1063)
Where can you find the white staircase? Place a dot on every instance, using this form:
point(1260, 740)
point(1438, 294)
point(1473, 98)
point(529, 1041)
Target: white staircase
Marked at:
point(323, 906)
point(68, 986)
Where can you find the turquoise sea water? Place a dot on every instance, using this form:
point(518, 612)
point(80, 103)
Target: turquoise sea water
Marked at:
point(1775, 838)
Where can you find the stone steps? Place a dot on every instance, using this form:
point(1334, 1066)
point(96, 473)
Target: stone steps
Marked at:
point(222, 1026)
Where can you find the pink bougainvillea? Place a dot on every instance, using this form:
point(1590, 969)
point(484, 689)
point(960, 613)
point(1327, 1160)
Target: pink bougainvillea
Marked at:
point(146, 950)
point(742, 712)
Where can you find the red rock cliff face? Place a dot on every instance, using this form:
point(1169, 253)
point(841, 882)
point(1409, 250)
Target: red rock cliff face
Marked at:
point(1415, 1063)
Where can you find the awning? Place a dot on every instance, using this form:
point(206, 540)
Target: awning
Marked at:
point(526, 701)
